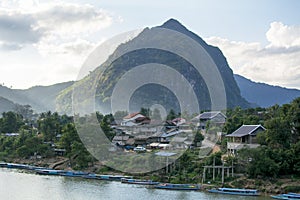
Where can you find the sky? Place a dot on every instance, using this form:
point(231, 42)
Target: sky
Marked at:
point(46, 42)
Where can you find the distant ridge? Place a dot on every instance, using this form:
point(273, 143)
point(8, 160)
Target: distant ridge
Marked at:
point(6, 105)
point(265, 95)
point(40, 98)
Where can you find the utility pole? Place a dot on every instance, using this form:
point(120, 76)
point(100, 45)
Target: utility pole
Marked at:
point(214, 168)
point(203, 177)
point(222, 173)
point(232, 167)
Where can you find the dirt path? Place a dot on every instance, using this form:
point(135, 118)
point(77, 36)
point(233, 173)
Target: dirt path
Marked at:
point(55, 165)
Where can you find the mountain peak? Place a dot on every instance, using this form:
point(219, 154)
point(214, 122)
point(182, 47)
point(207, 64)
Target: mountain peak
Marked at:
point(173, 24)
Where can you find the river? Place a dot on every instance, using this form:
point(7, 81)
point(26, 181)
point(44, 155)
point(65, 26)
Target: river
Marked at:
point(18, 185)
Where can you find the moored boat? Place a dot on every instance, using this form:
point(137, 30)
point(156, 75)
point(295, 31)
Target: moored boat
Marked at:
point(287, 196)
point(17, 166)
point(2, 164)
point(170, 186)
point(49, 172)
point(113, 177)
point(139, 182)
point(73, 173)
point(90, 176)
point(235, 191)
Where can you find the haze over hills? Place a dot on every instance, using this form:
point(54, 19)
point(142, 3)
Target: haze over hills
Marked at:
point(40, 98)
point(259, 94)
point(240, 91)
point(6, 105)
point(265, 95)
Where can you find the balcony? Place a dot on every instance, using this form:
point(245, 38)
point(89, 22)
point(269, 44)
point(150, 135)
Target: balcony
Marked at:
point(238, 146)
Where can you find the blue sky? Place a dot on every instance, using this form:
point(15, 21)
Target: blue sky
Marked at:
point(45, 42)
point(233, 19)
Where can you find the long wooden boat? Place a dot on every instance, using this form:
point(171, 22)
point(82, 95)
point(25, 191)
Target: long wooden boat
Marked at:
point(112, 177)
point(2, 164)
point(49, 172)
point(90, 176)
point(19, 166)
point(73, 173)
point(287, 196)
point(235, 191)
point(138, 181)
point(170, 186)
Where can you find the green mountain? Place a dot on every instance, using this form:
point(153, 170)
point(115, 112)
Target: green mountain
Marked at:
point(239, 90)
point(150, 94)
point(58, 97)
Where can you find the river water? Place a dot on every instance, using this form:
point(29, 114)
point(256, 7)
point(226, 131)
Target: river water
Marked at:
point(17, 185)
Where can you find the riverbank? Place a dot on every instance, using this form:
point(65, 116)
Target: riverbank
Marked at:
point(17, 185)
point(265, 186)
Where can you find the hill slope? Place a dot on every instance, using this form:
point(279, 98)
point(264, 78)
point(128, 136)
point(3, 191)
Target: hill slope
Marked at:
point(6, 105)
point(153, 93)
point(265, 95)
point(41, 98)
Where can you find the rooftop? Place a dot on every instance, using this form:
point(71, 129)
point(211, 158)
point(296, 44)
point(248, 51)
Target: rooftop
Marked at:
point(208, 115)
point(131, 115)
point(245, 130)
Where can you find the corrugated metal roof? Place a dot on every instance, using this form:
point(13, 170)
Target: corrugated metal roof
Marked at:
point(131, 115)
point(121, 138)
point(170, 134)
point(208, 115)
point(245, 130)
point(178, 139)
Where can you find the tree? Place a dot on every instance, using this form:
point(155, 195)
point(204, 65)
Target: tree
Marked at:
point(294, 117)
point(145, 111)
point(69, 136)
point(24, 110)
point(172, 115)
point(119, 115)
point(24, 151)
point(296, 159)
point(49, 125)
point(259, 162)
point(10, 122)
point(155, 115)
point(105, 126)
point(198, 138)
point(278, 132)
point(234, 120)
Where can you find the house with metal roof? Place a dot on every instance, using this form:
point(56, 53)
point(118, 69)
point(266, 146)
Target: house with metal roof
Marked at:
point(135, 119)
point(120, 139)
point(243, 137)
point(215, 117)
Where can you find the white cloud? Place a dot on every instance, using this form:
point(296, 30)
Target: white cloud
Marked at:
point(72, 18)
point(78, 47)
point(46, 43)
point(277, 63)
point(30, 22)
point(18, 29)
point(280, 35)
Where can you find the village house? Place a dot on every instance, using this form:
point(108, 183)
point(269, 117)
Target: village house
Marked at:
point(135, 119)
point(120, 140)
point(179, 142)
point(214, 117)
point(179, 121)
point(243, 137)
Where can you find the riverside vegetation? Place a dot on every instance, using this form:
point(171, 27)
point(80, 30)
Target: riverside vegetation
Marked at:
point(272, 167)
